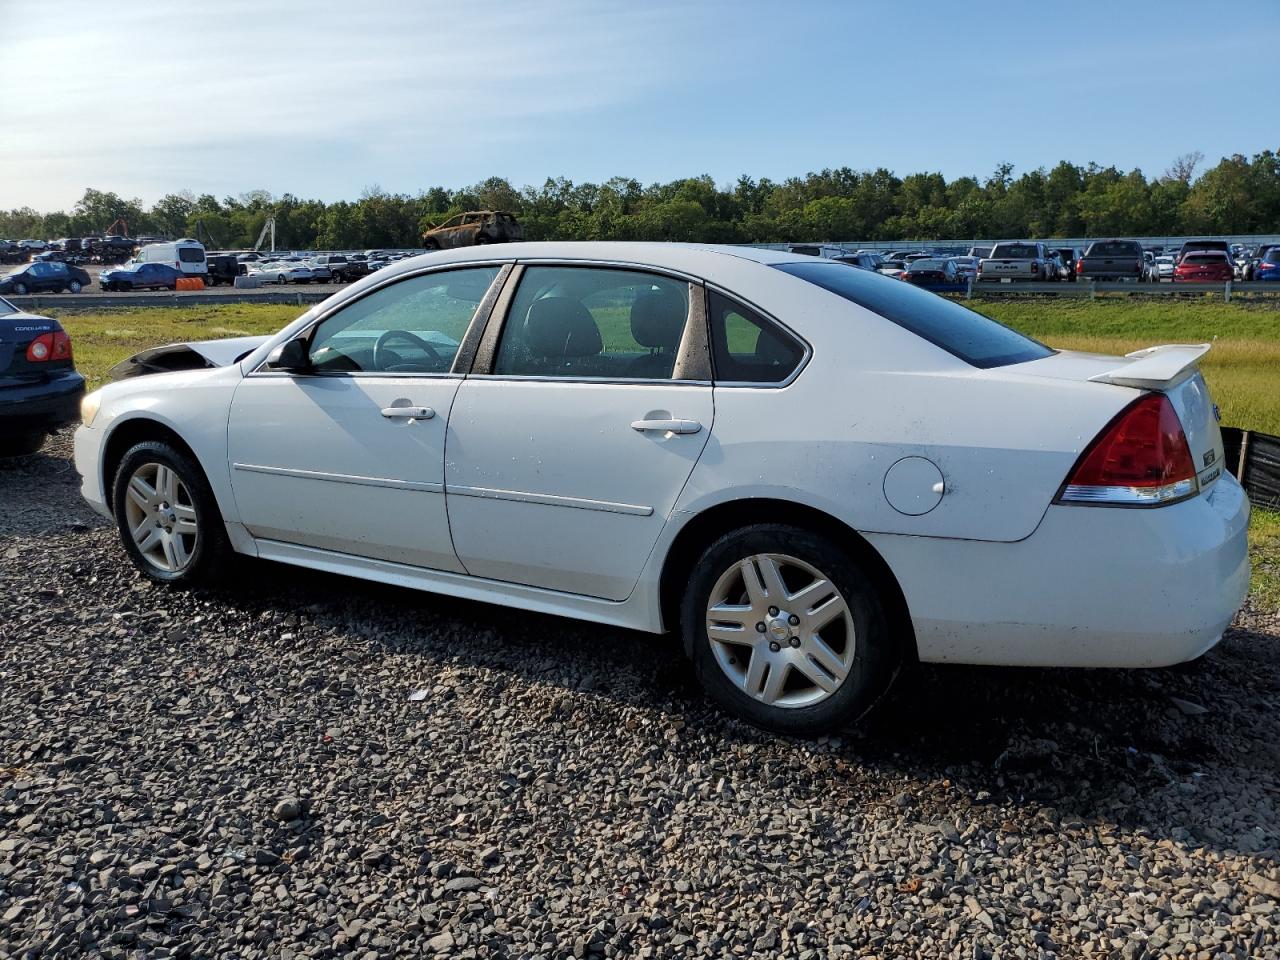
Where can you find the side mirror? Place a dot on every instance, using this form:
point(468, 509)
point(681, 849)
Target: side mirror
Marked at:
point(291, 357)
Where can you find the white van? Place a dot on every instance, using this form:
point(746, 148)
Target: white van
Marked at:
point(184, 255)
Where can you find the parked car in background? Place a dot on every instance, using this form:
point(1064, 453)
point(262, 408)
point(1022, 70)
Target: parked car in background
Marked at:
point(31, 244)
point(864, 261)
point(222, 268)
point(1255, 260)
point(932, 273)
point(1055, 269)
point(1015, 260)
point(893, 268)
point(1204, 266)
point(341, 267)
point(989, 500)
point(280, 272)
point(1268, 268)
point(979, 253)
point(1164, 267)
point(1199, 245)
point(45, 277)
point(1070, 259)
point(140, 276)
point(40, 390)
point(1112, 260)
point(472, 228)
point(966, 268)
point(186, 256)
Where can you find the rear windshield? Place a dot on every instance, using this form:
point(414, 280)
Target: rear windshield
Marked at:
point(1115, 248)
point(1207, 245)
point(1205, 258)
point(1014, 251)
point(975, 339)
point(927, 265)
point(1274, 255)
point(191, 255)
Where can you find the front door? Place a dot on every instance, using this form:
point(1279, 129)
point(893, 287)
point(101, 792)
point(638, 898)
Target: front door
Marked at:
point(568, 454)
point(349, 455)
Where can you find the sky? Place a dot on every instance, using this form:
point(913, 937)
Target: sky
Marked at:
point(327, 99)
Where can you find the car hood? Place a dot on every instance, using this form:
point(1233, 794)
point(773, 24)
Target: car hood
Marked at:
point(195, 355)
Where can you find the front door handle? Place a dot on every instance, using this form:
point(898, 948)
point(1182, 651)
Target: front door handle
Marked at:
point(408, 413)
point(666, 426)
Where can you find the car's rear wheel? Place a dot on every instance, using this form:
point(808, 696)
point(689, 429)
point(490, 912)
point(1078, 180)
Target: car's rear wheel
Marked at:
point(74, 287)
point(20, 289)
point(21, 445)
point(787, 631)
point(168, 518)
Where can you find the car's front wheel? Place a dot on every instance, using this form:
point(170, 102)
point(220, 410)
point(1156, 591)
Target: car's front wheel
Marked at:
point(74, 286)
point(168, 518)
point(787, 631)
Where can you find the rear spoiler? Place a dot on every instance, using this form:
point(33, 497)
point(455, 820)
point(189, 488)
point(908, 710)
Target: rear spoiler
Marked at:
point(1156, 368)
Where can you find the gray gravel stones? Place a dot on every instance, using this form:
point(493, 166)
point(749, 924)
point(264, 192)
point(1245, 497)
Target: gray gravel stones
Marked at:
point(239, 773)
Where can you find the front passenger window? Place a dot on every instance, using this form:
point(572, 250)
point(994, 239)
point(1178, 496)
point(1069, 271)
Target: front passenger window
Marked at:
point(414, 326)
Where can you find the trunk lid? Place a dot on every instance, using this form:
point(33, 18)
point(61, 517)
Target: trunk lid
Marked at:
point(17, 330)
point(1171, 369)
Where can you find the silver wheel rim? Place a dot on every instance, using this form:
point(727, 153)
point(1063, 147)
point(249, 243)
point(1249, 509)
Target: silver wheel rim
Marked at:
point(781, 631)
point(162, 517)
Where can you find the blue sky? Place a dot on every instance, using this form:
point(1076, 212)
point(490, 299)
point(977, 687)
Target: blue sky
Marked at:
point(325, 99)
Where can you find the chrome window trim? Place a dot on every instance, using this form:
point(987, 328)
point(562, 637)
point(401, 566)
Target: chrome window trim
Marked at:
point(481, 316)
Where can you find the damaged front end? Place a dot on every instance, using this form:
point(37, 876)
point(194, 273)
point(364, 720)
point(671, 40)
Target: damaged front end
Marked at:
point(198, 355)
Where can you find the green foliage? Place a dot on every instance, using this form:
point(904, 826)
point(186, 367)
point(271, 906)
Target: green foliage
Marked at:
point(1238, 195)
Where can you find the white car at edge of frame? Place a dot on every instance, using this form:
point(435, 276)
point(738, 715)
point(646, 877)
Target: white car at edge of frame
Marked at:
point(813, 473)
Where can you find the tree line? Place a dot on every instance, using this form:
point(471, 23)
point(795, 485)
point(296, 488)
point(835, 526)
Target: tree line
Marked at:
point(1239, 195)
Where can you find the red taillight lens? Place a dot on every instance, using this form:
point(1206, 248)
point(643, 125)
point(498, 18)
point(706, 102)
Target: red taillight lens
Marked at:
point(1141, 459)
point(49, 346)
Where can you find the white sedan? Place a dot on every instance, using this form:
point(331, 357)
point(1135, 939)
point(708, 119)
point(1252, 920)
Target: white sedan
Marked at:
point(814, 474)
point(280, 272)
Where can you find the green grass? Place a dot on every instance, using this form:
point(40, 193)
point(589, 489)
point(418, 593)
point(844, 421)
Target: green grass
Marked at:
point(1243, 369)
point(1264, 553)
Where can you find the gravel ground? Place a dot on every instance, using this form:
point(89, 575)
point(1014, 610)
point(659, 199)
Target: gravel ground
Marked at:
point(302, 765)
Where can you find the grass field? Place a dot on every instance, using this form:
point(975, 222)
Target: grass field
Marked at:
point(1243, 368)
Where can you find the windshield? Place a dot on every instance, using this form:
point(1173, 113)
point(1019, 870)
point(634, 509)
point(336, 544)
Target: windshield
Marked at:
point(1014, 251)
point(1115, 248)
point(975, 339)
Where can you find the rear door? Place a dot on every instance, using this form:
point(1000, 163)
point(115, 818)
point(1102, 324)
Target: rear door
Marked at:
point(573, 437)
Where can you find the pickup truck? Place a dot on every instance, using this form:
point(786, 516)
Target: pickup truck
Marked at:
point(1020, 260)
point(1112, 260)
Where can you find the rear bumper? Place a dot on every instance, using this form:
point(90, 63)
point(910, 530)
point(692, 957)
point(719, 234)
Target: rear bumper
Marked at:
point(1092, 587)
point(41, 407)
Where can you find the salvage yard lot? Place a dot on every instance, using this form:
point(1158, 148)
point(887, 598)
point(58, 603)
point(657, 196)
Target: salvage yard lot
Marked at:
point(301, 764)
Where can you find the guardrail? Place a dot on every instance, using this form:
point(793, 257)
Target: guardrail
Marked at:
point(1091, 288)
point(79, 301)
point(1254, 458)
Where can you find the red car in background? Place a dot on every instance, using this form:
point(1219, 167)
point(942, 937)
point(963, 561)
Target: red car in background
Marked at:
point(1204, 266)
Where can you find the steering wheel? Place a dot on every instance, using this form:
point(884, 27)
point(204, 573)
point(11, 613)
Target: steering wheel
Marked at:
point(380, 348)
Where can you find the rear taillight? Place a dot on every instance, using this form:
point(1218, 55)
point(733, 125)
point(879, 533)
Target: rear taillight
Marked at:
point(1141, 459)
point(1079, 266)
point(49, 346)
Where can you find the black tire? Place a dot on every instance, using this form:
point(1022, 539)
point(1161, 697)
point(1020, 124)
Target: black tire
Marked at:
point(20, 289)
point(212, 550)
point(22, 445)
point(75, 286)
point(876, 655)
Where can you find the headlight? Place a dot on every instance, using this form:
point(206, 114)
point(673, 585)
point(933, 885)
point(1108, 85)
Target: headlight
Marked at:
point(89, 407)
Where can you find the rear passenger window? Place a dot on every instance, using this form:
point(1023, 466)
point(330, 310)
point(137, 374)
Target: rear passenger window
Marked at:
point(593, 323)
point(746, 348)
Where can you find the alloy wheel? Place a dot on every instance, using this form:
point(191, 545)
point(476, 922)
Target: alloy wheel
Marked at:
point(781, 631)
point(162, 517)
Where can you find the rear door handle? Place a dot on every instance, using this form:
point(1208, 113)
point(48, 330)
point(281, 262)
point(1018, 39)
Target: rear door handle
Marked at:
point(408, 413)
point(666, 426)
